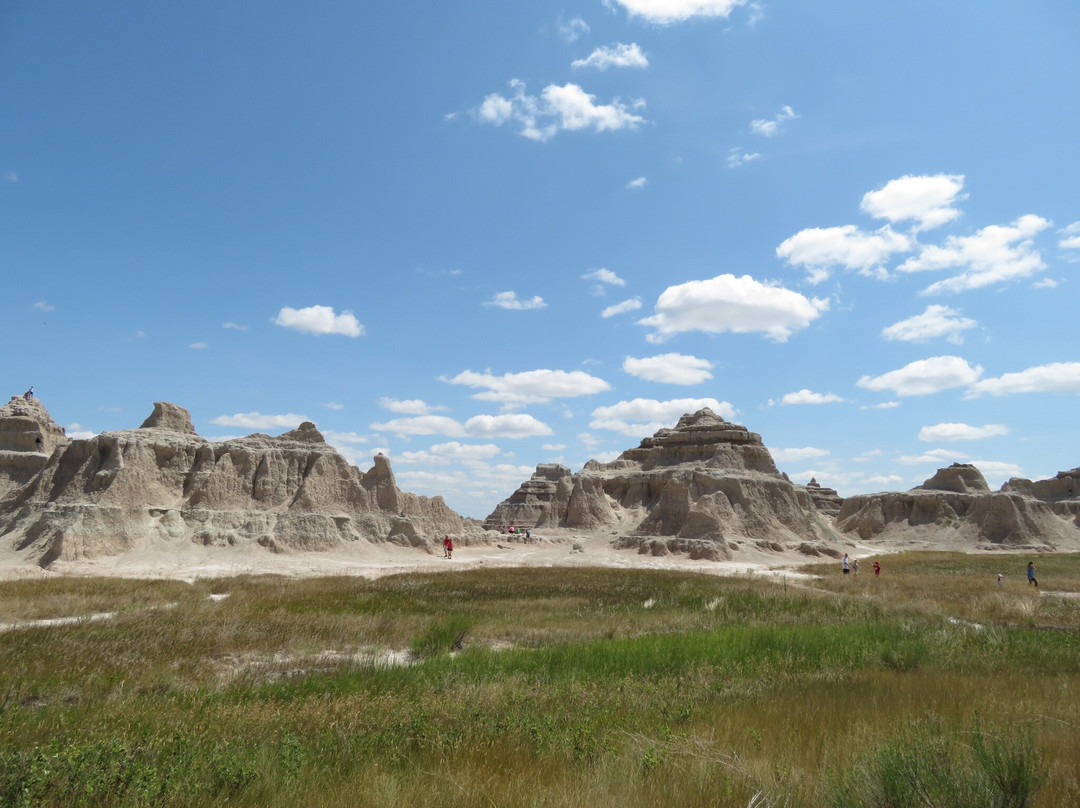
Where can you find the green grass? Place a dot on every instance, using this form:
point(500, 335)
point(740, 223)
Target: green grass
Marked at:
point(546, 687)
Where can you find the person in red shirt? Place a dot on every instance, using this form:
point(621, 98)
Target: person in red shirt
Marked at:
point(877, 568)
point(448, 547)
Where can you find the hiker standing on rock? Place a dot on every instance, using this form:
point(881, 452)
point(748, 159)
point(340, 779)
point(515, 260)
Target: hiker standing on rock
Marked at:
point(1031, 574)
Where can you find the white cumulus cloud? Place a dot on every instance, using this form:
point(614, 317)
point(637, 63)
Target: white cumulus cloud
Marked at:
point(412, 406)
point(669, 368)
point(819, 249)
point(319, 320)
point(531, 386)
point(796, 455)
point(442, 454)
point(927, 200)
point(925, 376)
point(556, 109)
point(603, 276)
point(644, 416)
point(729, 304)
point(257, 420)
point(637, 184)
point(936, 321)
point(952, 432)
point(1070, 236)
point(939, 457)
point(995, 254)
point(809, 397)
point(1056, 377)
point(617, 55)
point(666, 12)
point(479, 426)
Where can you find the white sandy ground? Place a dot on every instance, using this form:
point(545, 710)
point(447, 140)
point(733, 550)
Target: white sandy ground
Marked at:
point(550, 548)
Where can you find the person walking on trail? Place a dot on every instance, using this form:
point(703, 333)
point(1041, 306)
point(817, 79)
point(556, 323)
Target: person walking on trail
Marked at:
point(448, 547)
point(846, 564)
point(1031, 574)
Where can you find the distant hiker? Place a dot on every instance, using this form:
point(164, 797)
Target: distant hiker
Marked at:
point(877, 568)
point(846, 563)
point(1031, 574)
point(528, 535)
point(1001, 579)
point(29, 394)
point(855, 566)
point(448, 544)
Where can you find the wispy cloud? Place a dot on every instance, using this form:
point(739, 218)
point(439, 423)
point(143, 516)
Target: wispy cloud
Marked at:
point(44, 305)
point(572, 30)
point(633, 304)
point(617, 55)
point(737, 157)
point(510, 301)
point(637, 184)
point(769, 127)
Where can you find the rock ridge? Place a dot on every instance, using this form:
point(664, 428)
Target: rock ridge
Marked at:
point(163, 484)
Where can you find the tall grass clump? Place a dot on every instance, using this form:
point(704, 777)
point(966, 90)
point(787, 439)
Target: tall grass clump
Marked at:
point(441, 636)
point(927, 765)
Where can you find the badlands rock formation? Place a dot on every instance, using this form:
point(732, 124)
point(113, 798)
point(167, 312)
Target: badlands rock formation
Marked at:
point(705, 487)
point(162, 484)
point(956, 506)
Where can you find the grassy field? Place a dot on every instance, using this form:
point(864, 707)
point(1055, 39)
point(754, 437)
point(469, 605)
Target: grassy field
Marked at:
point(930, 685)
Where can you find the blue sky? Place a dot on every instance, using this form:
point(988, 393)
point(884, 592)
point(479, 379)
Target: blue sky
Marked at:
point(480, 236)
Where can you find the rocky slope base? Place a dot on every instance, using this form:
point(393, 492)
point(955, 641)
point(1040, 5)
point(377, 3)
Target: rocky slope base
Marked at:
point(705, 488)
point(163, 484)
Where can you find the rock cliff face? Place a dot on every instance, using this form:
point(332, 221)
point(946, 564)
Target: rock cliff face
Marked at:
point(1023, 514)
point(704, 487)
point(163, 483)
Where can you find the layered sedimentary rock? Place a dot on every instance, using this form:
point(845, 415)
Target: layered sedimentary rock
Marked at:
point(1023, 513)
point(701, 488)
point(536, 502)
point(27, 437)
point(826, 500)
point(163, 483)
